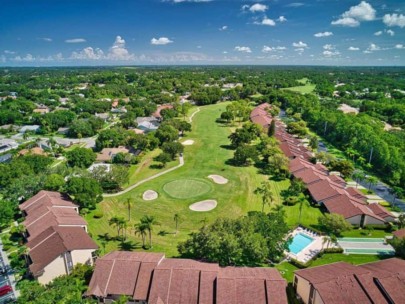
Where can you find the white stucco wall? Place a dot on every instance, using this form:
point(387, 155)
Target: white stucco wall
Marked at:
point(82, 256)
point(52, 270)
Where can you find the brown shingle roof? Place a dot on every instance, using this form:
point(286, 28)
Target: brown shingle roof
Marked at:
point(380, 211)
point(368, 283)
point(47, 198)
point(323, 190)
point(107, 154)
point(54, 241)
point(260, 116)
point(184, 281)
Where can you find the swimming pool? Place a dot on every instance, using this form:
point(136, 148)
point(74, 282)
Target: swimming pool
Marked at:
point(299, 242)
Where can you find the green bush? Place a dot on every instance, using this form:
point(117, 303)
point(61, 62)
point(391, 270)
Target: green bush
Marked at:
point(6, 247)
point(98, 214)
point(299, 264)
point(332, 250)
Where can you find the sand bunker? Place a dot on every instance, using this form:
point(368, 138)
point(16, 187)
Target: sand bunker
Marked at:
point(218, 179)
point(188, 142)
point(149, 195)
point(202, 206)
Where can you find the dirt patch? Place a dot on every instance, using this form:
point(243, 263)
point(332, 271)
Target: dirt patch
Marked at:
point(149, 195)
point(203, 206)
point(188, 142)
point(218, 179)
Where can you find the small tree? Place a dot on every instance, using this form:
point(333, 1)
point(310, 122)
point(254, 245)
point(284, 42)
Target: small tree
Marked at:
point(163, 158)
point(272, 128)
point(149, 221)
point(334, 224)
point(358, 176)
point(267, 195)
point(372, 181)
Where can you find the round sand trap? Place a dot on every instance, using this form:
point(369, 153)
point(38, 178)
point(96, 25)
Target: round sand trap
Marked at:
point(188, 142)
point(149, 195)
point(202, 206)
point(218, 179)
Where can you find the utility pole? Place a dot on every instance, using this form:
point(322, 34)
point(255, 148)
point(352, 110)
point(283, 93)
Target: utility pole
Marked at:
point(324, 130)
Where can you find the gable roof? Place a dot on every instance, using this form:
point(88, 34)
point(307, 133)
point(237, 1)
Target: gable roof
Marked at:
point(53, 242)
point(151, 277)
point(46, 198)
point(368, 283)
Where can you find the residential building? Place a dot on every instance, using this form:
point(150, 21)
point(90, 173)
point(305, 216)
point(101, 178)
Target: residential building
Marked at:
point(33, 128)
point(147, 124)
point(108, 154)
point(150, 278)
point(56, 235)
point(32, 151)
point(337, 283)
point(157, 114)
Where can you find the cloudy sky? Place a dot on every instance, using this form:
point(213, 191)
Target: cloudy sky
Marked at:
point(130, 32)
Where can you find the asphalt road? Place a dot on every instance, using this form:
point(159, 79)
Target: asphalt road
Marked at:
point(6, 277)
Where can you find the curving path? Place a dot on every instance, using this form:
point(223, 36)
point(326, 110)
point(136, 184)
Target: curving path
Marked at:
point(181, 164)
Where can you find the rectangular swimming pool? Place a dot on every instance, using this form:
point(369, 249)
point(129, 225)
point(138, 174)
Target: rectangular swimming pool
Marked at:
point(299, 242)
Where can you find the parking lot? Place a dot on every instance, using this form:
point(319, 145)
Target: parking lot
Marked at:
point(6, 278)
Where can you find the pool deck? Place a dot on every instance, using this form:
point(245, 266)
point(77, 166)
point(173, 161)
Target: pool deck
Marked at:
point(311, 250)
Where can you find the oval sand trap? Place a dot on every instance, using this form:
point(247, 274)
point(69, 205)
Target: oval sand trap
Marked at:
point(188, 142)
point(218, 179)
point(202, 206)
point(149, 195)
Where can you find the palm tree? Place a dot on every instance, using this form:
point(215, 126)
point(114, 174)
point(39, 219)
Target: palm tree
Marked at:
point(176, 218)
point(149, 221)
point(140, 229)
point(267, 195)
point(118, 222)
point(129, 203)
point(358, 176)
point(372, 181)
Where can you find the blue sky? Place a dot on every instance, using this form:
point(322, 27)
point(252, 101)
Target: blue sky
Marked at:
point(277, 32)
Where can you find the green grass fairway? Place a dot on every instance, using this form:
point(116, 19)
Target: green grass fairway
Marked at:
point(307, 87)
point(208, 155)
point(186, 188)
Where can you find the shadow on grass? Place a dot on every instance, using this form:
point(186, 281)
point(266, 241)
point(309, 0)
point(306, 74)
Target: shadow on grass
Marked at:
point(227, 147)
point(129, 246)
point(156, 166)
point(164, 233)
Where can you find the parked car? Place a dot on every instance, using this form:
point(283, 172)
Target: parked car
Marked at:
point(5, 290)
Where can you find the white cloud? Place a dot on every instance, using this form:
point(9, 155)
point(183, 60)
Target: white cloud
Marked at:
point(295, 4)
point(26, 58)
point(223, 28)
point(88, 53)
point(394, 20)
point(352, 18)
point(243, 49)
point(75, 40)
point(399, 46)
point(379, 33)
point(350, 22)
point(300, 44)
point(329, 53)
point(282, 19)
point(299, 50)
point(161, 41)
point(267, 21)
point(255, 8)
point(328, 47)
point(46, 39)
point(372, 48)
point(267, 49)
point(323, 34)
point(362, 12)
point(352, 48)
point(9, 52)
point(390, 32)
point(117, 51)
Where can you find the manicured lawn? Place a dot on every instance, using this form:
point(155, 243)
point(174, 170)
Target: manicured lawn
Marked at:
point(208, 155)
point(147, 167)
point(187, 188)
point(287, 270)
point(307, 87)
point(364, 233)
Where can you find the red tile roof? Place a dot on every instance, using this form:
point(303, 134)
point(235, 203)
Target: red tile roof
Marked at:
point(184, 281)
point(160, 108)
point(260, 116)
point(380, 211)
point(368, 283)
point(399, 233)
point(324, 190)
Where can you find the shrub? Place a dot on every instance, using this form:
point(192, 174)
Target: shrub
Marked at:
point(333, 250)
point(299, 264)
point(98, 214)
